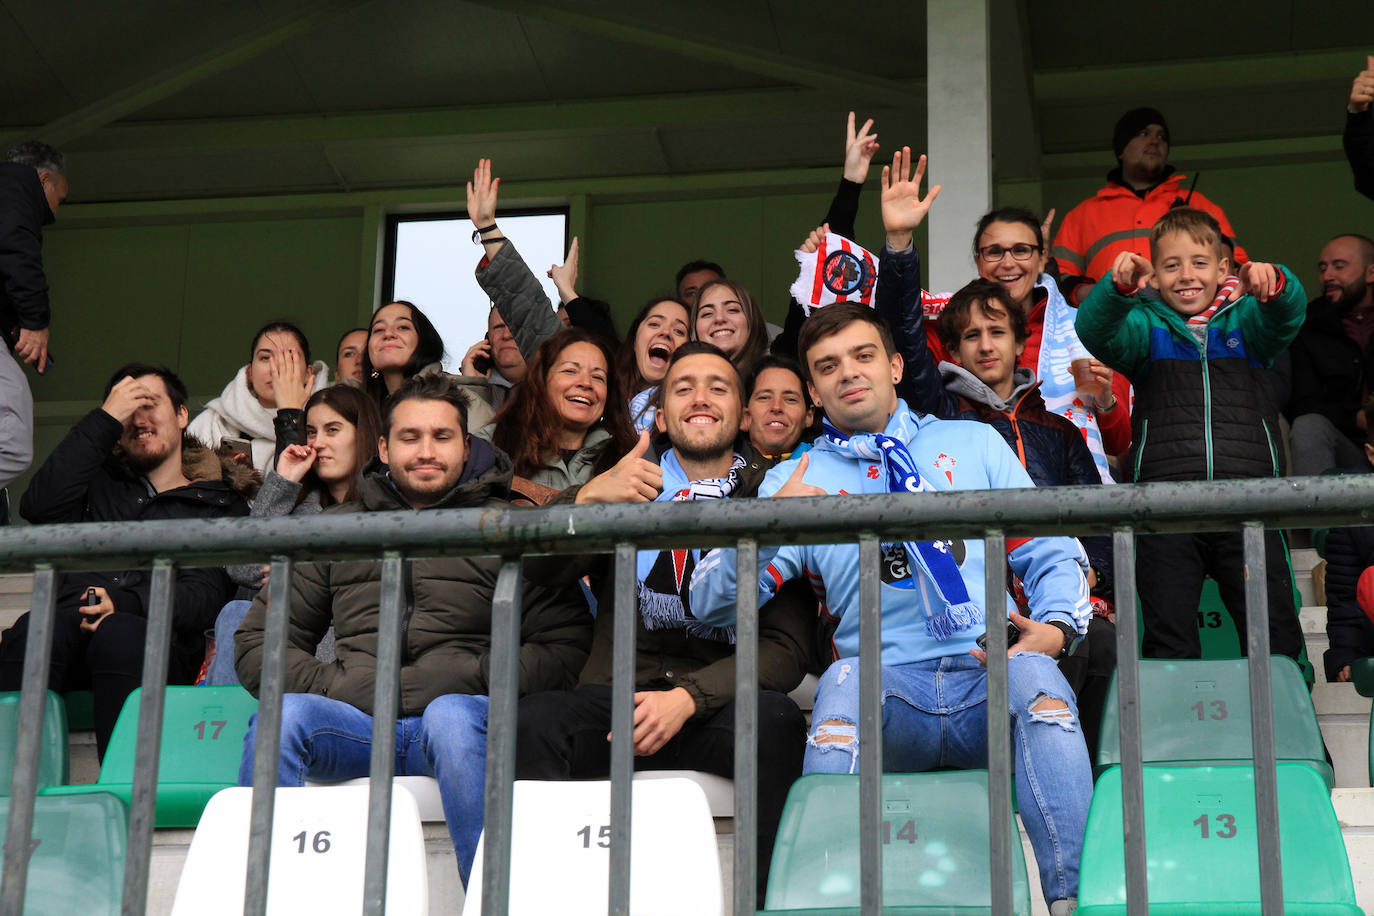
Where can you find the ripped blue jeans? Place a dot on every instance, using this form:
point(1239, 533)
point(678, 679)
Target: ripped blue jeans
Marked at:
point(935, 715)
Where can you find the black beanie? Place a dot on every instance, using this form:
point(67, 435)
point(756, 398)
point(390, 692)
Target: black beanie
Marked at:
point(1132, 123)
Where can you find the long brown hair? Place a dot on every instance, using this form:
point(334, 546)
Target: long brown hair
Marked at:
point(358, 408)
point(528, 426)
point(756, 344)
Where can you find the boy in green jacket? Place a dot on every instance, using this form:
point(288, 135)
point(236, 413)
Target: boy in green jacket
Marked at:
point(1194, 356)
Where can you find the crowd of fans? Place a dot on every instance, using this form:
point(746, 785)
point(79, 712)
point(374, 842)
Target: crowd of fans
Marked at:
point(1144, 344)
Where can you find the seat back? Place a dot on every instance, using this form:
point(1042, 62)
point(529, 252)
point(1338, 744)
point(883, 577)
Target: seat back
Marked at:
point(52, 755)
point(1200, 840)
point(77, 864)
point(318, 858)
point(202, 736)
point(1198, 711)
point(560, 858)
point(935, 845)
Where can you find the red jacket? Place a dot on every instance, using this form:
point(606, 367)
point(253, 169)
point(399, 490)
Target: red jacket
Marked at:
point(1116, 219)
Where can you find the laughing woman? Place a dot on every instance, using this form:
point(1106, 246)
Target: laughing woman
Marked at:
point(564, 423)
point(658, 330)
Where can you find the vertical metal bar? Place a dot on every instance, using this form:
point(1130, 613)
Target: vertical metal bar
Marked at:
point(384, 705)
point(999, 721)
point(504, 688)
point(1128, 706)
point(32, 701)
point(746, 724)
point(1262, 721)
point(622, 727)
point(142, 807)
point(870, 728)
point(267, 751)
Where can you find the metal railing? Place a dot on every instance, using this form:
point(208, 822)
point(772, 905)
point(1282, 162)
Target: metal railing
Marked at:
point(993, 515)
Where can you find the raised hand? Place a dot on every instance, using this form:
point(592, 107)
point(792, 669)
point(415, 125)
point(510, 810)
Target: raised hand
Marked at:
point(1362, 90)
point(564, 276)
point(1045, 226)
point(634, 479)
point(482, 192)
point(1131, 271)
point(903, 207)
point(795, 486)
point(1258, 279)
point(481, 349)
point(292, 379)
point(812, 243)
point(859, 149)
point(294, 461)
point(127, 396)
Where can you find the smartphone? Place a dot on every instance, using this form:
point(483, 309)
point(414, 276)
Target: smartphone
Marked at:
point(235, 445)
point(483, 363)
point(1013, 634)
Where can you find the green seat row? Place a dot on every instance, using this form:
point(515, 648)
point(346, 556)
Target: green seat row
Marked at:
point(202, 743)
point(52, 757)
point(77, 865)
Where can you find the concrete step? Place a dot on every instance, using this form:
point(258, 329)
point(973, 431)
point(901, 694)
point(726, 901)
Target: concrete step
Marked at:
point(1355, 811)
point(1303, 559)
point(1344, 718)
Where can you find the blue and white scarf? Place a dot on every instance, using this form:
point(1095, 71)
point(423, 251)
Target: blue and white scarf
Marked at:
point(1058, 346)
point(642, 410)
point(665, 576)
point(960, 611)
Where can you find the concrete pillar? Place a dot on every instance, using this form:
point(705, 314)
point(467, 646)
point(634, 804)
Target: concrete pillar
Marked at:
point(959, 135)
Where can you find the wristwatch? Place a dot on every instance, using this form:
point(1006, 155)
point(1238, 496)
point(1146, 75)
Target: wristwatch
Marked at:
point(1071, 638)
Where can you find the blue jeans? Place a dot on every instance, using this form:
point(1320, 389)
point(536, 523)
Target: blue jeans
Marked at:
point(329, 741)
point(221, 672)
point(935, 715)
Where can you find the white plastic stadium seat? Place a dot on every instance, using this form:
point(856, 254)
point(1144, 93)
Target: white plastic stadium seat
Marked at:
point(319, 852)
point(560, 857)
point(720, 792)
point(425, 790)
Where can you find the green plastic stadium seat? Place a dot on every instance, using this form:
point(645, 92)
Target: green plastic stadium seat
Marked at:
point(1200, 843)
point(52, 756)
point(1197, 711)
point(935, 847)
point(202, 744)
point(78, 854)
point(80, 710)
point(1362, 674)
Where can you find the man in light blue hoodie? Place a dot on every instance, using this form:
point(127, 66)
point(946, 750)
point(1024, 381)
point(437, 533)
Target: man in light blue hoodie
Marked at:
point(934, 682)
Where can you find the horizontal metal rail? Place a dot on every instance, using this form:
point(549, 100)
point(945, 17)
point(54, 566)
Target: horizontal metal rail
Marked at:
point(1148, 509)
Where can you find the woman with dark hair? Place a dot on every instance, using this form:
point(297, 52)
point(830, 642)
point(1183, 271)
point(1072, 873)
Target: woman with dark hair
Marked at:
point(565, 423)
point(342, 426)
point(726, 316)
point(401, 344)
point(262, 403)
point(658, 330)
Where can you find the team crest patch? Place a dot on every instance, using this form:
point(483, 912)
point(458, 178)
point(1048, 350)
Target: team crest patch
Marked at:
point(946, 464)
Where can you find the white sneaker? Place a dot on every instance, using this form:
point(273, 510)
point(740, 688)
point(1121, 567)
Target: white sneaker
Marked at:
point(1064, 907)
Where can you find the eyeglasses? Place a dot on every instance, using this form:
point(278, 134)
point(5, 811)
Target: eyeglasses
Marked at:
point(1022, 252)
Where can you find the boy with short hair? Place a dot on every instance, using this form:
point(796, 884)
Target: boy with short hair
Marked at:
point(1195, 356)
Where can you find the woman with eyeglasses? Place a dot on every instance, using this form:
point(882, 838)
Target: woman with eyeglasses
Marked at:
point(1009, 249)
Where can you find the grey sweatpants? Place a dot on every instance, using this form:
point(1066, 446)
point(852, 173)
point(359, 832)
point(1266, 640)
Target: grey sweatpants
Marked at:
point(16, 419)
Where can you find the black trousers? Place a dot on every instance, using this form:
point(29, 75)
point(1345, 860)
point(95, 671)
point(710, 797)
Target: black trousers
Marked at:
point(562, 735)
point(1089, 672)
point(1169, 573)
point(108, 662)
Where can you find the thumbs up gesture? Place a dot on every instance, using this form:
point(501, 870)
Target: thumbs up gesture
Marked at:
point(634, 479)
point(795, 486)
point(1362, 90)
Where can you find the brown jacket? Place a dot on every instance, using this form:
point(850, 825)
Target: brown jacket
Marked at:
point(447, 613)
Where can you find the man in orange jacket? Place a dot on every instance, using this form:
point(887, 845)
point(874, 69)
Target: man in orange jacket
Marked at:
point(1141, 189)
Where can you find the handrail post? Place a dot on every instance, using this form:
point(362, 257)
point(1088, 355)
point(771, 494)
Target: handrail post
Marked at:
point(143, 804)
point(870, 727)
point(746, 724)
point(622, 727)
point(999, 726)
point(1262, 721)
point(504, 687)
point(267, 735)
point(32, 703)
point(1128, 712)
point(384, 705)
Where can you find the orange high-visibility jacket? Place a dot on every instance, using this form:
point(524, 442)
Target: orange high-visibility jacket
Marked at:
point(1117, 219)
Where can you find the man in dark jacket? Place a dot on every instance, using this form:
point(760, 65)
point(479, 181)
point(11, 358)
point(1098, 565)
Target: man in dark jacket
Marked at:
point(125, 461)
point(427, 461)
point(1359, 129)
point(1331, 361)
point(32, 186)
point(685, 670)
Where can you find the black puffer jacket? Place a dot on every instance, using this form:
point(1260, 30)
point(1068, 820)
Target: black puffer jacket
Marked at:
point(1349, 552)
point(23, 214)
point(447, 637)
point(83, 481)
point(1329, 369)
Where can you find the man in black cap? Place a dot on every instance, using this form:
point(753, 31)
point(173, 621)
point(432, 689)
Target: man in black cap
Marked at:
point(1141, 189)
